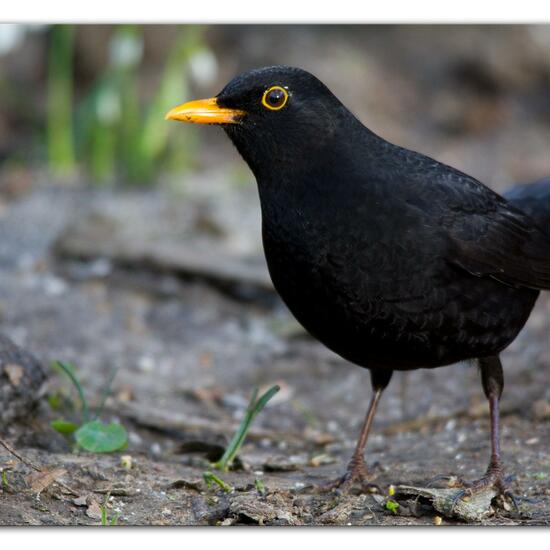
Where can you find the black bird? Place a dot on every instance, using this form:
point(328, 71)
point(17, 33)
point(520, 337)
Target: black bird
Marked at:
point(391, 259)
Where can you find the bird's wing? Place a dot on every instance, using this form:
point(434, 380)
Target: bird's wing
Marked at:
point(487, 236)
point(533, 199)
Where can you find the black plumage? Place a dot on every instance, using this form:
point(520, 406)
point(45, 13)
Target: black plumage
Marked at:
point(391, 259)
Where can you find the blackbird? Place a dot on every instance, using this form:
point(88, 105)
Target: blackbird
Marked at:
point(391, 259)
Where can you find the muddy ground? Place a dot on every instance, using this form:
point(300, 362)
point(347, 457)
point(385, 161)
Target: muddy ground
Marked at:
point(104, 279)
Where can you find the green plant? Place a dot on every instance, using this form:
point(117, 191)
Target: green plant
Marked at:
point(60, 99)
point(5, 483)
point(105, 521)
point(210, 479)
point(392, 506)
point(254, 407)
point(90, 434)
point(145, 136)
point(112, 130)
point(260, 486)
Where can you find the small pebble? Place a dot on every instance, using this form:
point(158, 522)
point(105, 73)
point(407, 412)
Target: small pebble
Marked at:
point(451, 425)
point(156, 449)
point(134, 438)
point(146, 364)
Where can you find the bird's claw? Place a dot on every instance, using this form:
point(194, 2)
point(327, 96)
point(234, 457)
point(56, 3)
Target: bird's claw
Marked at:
point(356, 479)
point(493, 479)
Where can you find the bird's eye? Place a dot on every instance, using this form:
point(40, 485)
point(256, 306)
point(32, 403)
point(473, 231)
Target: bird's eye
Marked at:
point(275, 98)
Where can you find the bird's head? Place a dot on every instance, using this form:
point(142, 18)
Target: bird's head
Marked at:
point(273, 115)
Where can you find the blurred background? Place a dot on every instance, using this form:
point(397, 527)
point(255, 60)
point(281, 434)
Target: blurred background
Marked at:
point(131, 245)
point(86, 103)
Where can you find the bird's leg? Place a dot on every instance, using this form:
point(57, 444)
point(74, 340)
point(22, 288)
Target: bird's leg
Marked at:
point(357, 468)
point(492, 380)
point(357, 471)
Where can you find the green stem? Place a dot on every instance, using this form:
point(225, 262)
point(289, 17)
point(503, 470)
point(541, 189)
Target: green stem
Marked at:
point(210, 478)
point(76, 384)
point(254, 407)
point(60, 92)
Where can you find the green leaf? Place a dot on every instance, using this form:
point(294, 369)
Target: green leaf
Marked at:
point(254, 407)
point(98, 437)
point(62, 367)
point(64, 427)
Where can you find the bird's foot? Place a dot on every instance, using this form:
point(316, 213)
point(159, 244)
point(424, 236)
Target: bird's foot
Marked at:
point(357, 479)
point(493, 479)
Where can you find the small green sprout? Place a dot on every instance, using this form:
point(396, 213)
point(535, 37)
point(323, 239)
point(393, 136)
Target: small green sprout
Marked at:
point(392, 506)
point(91, 434)
point(260, 486)
point(5, 484)
point(105, 521)
point(210, 479)
point(254, 407)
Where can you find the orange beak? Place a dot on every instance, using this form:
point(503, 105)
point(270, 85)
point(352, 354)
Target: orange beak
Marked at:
point(205, 111)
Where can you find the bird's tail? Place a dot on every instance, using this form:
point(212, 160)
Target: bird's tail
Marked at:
point(534, 200)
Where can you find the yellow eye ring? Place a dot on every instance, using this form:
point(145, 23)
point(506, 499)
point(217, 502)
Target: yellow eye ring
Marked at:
point(275, 98)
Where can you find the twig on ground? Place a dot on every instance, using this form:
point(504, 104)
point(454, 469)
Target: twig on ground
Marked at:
point(28, 463)
point(22, 459)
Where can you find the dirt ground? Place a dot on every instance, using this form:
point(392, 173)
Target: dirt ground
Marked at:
point(125, 280)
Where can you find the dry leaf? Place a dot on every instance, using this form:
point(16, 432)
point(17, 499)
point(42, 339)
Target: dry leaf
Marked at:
point(321, 460)
point(42, 480)
point(14, 373)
